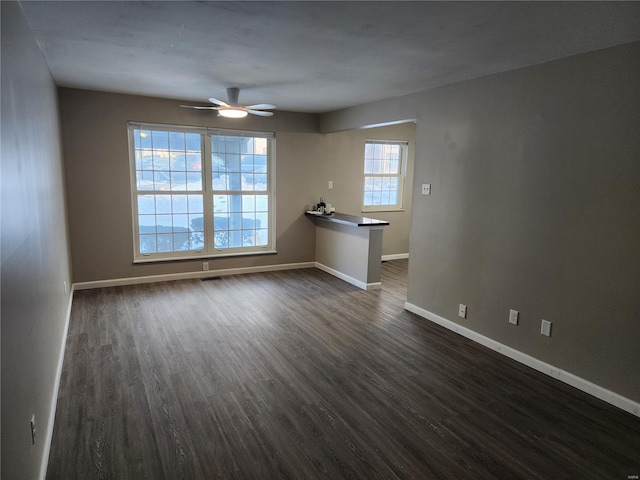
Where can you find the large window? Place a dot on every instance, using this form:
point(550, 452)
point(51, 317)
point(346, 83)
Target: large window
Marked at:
point(384, 173)
point(201, 192)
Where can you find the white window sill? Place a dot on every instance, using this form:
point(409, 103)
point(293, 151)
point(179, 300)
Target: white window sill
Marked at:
point(152, 259)
point(382, 209)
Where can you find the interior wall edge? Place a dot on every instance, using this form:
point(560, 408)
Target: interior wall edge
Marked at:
point(569, 378)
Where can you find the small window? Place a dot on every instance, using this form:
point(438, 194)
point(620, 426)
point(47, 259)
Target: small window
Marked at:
point(200, 192)
point(384, 173)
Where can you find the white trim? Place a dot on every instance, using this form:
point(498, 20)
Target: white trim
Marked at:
point(401, 175)
point(387, 124)
point(245, 253)
point(48, 434)
point(586, 386)
point(207, 193)
point(349, 279)
point(394, 256)
point(187, 275)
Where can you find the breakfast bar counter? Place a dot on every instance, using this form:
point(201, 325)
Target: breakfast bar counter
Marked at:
point(350, 247)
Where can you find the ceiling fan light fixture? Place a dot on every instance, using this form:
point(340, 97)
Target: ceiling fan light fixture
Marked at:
point(232, 112)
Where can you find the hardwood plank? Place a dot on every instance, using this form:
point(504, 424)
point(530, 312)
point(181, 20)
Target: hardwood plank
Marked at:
point(297, 374)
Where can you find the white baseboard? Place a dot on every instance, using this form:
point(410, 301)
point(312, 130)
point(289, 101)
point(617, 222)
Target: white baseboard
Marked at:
point(349, 279)
point(188, 275)
point(394, 256)
point(48, 434)
point(586, 386)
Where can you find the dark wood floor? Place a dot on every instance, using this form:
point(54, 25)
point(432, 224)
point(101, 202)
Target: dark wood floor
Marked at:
point(298, 375)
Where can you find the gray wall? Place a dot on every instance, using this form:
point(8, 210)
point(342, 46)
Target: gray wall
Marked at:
point(35, 258)
point(342, 162)
point(94, 130)
point(535, 206)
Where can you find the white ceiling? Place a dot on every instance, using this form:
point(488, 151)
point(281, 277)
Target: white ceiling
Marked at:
point(311, 56)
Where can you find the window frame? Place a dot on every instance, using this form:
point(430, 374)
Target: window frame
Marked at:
point(401, 175)
point(207, 193)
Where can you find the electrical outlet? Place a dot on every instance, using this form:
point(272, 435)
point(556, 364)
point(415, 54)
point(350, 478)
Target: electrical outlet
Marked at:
point(205, 266)
point(426, 189)
point(545, 328)
point(330, 184)
point(462, 311)
point(33, 429)
point(513, 317)
point(65, 287)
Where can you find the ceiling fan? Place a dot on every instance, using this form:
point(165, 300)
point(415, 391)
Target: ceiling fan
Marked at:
point(232, 109)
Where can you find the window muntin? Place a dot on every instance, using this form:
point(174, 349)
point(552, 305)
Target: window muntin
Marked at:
point(384, 172)
point(181, 211)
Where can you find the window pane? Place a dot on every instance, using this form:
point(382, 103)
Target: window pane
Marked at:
point(248, 203)
point(194, 181)
point(262, 220)
point(196, 241)
point(176, 215)
point(368, 165)
point(262, 237)
point(147, 243)
point(147, 224)
point(235, 239)
point(180, 223)
point(165, 242)
point(220, 203)
point(260, 146)
point(368, 151)
point(383, 173)
point(163, 203)
point(260, 182)
point(160, 160)
point(262, 203)
point(164, 223)
point(196, 223)
point(178, 161)
point(160, 140)
point(368, 198)
point(234, 182)
point(180, 242)
point(193, 142)
point(162, 181)
point(178, 181)
point(194, 162)
point(195, 203)
point(177, 141)
point(144, 180)
point(235, 221)
point(168, 164)
point(179, 204)
point(146, 204)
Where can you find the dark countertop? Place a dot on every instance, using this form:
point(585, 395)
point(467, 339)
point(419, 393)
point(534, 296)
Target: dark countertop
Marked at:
point(351, 220)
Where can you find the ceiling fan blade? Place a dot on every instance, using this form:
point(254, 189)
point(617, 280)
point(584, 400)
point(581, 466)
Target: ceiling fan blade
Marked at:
point(200, 107)
point(218, 102)
point(260, 112)
point(261, 106)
